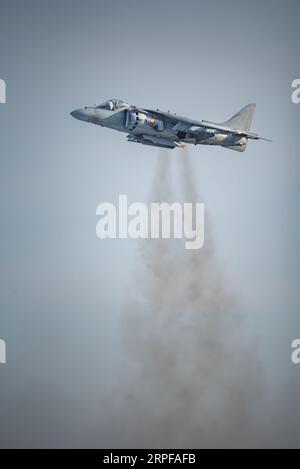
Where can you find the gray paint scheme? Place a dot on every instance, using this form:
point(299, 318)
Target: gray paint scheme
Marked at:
point(163, 129)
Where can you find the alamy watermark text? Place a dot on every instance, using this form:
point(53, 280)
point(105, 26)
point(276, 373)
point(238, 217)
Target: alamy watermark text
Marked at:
point(296, 93)
point(2, 92)
point(2, 352)
point(295, 357)
point(160, 220)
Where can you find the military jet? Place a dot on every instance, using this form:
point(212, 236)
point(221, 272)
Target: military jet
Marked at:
point(167, 130)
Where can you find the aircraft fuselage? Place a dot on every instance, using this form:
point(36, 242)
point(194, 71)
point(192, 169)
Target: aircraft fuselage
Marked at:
point(157, 128)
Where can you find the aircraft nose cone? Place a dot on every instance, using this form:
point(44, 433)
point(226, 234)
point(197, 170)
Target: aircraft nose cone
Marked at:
point(85, 114)
point(76, 114)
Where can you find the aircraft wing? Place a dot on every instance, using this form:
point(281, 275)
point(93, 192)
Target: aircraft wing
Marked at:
point(192, 126)
point(241, 133)
point(172, 118)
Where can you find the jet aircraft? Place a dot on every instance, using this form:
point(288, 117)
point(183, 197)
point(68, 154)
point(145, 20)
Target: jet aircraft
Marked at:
point(167, 130)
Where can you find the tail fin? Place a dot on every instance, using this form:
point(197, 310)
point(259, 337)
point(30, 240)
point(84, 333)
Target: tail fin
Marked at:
point(242, 120)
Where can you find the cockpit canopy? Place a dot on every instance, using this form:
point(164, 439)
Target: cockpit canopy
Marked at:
point(112, 105)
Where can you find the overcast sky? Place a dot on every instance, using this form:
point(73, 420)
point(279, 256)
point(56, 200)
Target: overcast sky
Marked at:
point(62, 289)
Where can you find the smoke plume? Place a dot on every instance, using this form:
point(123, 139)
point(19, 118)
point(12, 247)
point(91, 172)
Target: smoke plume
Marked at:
point(193, 384)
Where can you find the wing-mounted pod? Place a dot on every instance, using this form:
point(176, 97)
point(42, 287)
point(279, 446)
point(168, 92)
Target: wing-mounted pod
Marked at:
point(154, 141)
